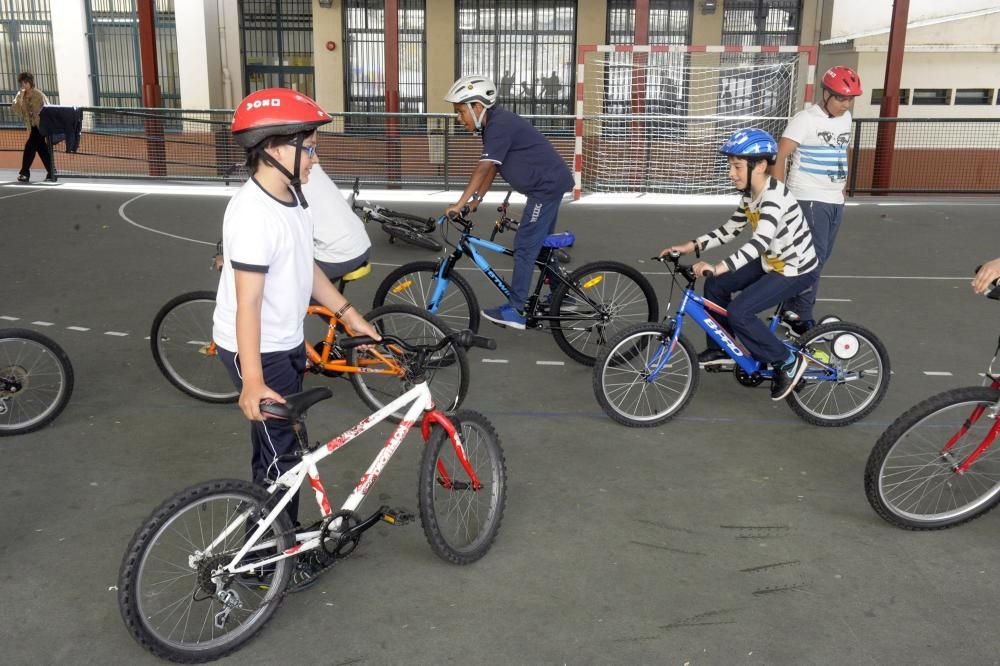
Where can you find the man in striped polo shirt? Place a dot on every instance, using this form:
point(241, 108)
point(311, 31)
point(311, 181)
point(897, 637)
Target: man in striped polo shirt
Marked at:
point(777, 261)
point(816, 140)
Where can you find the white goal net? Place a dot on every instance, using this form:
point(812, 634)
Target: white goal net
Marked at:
point(651, 119)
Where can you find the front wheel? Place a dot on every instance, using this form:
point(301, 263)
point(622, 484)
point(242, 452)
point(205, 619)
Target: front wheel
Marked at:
point(446, 372)
point(176, 600)
point(36, 381)
point(912, 480)
point(461, 520)
point(181, 342)
point(640, 381)
point(617, 296)
point(414, 283)
point(846, 377)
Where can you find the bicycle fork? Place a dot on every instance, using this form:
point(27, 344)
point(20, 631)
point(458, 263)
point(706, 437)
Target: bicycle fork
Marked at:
point(963, 466)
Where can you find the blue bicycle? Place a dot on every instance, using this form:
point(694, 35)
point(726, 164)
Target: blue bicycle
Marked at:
point(647, 374)
point(585, 309)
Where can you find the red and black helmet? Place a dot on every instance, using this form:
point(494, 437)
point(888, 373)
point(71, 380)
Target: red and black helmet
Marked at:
point(275, 111)
point(842, 81)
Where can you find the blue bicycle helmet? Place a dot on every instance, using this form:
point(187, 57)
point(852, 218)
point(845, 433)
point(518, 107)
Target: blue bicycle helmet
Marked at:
point(751, 144)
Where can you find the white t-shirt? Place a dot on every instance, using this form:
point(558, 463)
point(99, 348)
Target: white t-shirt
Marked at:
point(338, 234)
point(819, 165)
point(262, 234)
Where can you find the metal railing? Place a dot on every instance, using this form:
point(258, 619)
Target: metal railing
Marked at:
point(930, 156)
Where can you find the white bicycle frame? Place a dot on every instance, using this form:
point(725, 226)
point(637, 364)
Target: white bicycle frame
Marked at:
point(420, 400)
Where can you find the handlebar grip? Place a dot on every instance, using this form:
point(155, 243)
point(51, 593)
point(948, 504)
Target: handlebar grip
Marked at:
point(469, 339)
point(708, 272)
point(357, 341)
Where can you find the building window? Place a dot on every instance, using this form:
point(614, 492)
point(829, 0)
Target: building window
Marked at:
point(932, 96)
point(761, 22)
point(277, 45)
point(669, 21)
point(364, 64)
point(115, 58)
point(26, 46)
point(973, 96)
point(527, 46)
point(878, 93)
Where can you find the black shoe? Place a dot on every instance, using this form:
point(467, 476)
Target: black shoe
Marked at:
point(306, 573)
point(801, 326)
point(786, 377)
point(50, 178)
point(23, 179)
point(714, 356)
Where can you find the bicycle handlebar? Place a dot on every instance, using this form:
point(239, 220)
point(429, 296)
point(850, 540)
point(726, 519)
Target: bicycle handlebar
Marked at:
point(686, 271)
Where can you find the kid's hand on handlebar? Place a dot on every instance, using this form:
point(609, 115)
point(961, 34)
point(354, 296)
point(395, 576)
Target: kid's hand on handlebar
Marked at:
point(986, 276)
point(678, 250)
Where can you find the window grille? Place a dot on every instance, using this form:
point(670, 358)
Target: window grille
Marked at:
point(528, 47)
point(277, 45)
point(669, 21)
point(115, 59)
point(26, 46)
point(364, 63)
point(761, 22)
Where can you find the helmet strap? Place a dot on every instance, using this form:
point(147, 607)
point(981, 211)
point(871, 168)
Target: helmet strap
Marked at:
point(826, 100)
point(477, 119)
point(294, 177)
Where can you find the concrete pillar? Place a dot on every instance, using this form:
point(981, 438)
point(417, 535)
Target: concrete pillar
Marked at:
point(198, 55)
point(440, 53)
point(72, 54)
point(328, 64)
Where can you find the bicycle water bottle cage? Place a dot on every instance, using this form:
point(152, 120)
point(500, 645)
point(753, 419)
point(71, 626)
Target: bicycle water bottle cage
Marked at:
point(296, 404)
point(561, 239)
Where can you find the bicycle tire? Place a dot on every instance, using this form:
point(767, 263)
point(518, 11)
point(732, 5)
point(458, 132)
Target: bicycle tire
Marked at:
point(622, 292)
point(404, 232)
point(621, 376)
point(413, 284)
point(447, 372)
point(36, 381)
point(461, 523)
point(147, 598)
point(181, 342)
point(910, 484)
point(870, 360)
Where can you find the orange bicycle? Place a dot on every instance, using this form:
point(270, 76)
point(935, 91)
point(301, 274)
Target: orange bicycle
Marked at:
point(182, 346)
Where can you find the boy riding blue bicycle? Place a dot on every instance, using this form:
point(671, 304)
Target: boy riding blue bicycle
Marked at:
point(776, 262)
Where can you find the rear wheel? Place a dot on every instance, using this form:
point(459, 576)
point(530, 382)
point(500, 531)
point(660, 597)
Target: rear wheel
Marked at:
point(863, 364)
point(175, 601)
point(461, 521)
point(181, 341)
point(911, 479)
point(36, 381)
point(447, 370)
point(629, 383)
point(622, 295)
point(414, 283)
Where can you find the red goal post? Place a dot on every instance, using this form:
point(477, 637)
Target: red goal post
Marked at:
point(639, 113)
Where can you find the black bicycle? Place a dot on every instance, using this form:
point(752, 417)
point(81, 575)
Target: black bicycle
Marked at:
point(409, 228)
point(585, 309)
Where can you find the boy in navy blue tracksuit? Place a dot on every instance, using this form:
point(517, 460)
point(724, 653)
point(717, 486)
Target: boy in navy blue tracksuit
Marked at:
point(532, 167)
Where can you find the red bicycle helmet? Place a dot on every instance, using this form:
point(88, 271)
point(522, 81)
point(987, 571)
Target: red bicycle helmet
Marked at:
point(842, 81)
point(275, 111)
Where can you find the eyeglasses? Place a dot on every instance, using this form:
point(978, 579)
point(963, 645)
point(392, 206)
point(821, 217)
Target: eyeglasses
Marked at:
point(310, 151)
point(841, 98)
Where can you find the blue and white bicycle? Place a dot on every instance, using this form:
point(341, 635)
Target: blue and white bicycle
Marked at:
point(648, 372)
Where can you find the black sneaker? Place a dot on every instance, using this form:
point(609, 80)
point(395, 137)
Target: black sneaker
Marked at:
point(306, 573)
point(801, 326)
point(786, 377)
point(714, 356)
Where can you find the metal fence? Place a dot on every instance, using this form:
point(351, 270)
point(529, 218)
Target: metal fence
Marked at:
point(930, 155)
point(26, 45)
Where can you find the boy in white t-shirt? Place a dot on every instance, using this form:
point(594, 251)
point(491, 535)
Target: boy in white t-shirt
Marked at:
point(269, 274)
point(816, 139)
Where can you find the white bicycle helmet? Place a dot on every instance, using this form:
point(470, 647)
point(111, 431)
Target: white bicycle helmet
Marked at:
point(469, 89)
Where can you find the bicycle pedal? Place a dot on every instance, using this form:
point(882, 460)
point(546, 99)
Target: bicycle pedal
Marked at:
point(397, 517)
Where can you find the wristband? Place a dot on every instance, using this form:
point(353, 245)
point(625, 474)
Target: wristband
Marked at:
point(347, 306)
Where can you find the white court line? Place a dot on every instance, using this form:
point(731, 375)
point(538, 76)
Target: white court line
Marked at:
point(21, 194)
point(43, 323)
point(121, 214)
point(77, 328)
point(933, 373)
point(117, 334)
point(550, 363)
point(9, 318)
point(495, 360)
point(834, 300)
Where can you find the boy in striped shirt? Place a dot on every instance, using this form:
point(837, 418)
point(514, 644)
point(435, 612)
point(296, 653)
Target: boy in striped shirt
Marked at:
point(777, 261)
point(816, 140)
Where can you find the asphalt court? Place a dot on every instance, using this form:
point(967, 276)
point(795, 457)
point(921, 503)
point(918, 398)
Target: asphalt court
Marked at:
point(735, 533)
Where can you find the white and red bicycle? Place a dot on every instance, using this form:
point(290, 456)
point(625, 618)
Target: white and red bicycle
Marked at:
point(207, 570)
